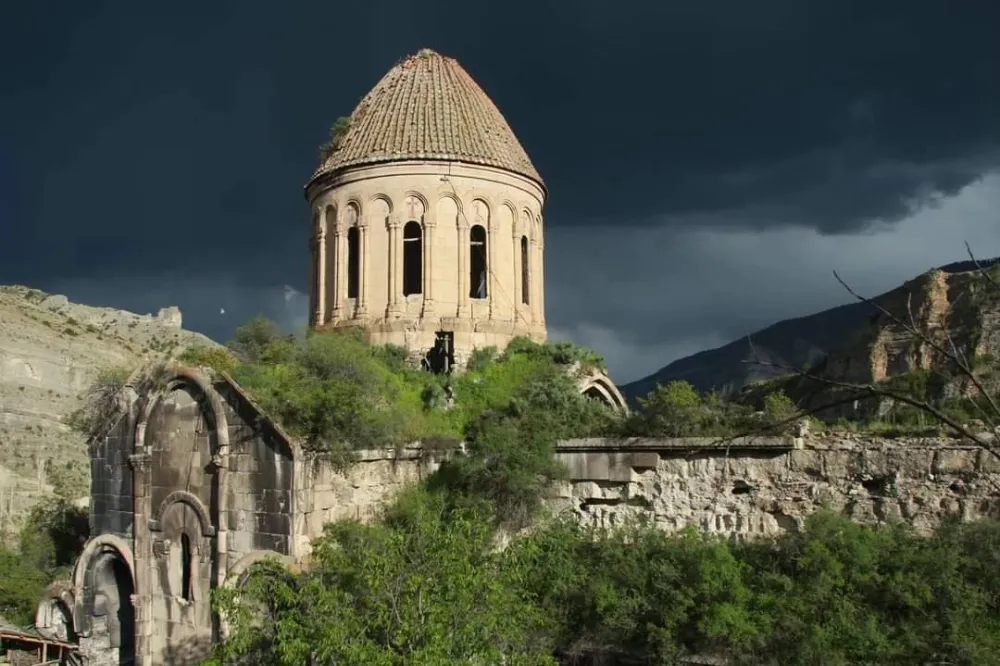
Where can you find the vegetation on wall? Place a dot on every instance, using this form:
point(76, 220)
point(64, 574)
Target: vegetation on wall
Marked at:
point(337, 133)
point(101, 402)
point(338, 394)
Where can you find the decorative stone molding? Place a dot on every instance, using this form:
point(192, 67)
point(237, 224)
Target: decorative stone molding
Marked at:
point(183, 497)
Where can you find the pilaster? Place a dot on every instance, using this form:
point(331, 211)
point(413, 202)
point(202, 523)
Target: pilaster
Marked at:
point(395, 267)
point(362, 309)
point(491, 265)
point(339, 260)
point(142, 598)
point(428, 273)
point(463, 268)
point(320, 316)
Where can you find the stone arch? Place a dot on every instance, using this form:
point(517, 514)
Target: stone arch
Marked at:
point(54, 615)
point(237, 572)
point(456, 201)
point(528, 224)
point(182, 375)
point(184, 497)
point(103, 543)
point(382, 199)
point(104, 612)
point(379, 210)
point(236, 576)
point(329, 218)
point(352, 213)
point(599, 386)
point(480, 211)
point(415, 206)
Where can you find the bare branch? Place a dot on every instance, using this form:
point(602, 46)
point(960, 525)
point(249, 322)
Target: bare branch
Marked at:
point(874, 390)
point(913, 330)
point(982, 269)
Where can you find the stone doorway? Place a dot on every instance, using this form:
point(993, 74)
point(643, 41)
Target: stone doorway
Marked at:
point(109, 637)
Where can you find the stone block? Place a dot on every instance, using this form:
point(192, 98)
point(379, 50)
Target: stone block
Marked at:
point(955, 461)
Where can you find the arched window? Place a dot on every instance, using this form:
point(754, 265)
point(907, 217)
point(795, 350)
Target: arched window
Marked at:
point(185, 567)
point(477, 262)
point(353, 263)
point(525, 281)
point(413, 273)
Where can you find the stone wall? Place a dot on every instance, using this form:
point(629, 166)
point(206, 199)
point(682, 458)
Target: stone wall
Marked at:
point(260, 480)
point(766, 486)
point(361, 491)
point(111, 505)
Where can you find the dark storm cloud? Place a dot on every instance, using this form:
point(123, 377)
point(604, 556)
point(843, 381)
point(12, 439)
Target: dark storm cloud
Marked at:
point(669, 292)
point(141, 141)
point(155, 137)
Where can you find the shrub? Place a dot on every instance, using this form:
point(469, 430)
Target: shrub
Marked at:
point(101, 402)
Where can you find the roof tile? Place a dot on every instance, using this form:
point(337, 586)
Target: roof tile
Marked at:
point(428, 107)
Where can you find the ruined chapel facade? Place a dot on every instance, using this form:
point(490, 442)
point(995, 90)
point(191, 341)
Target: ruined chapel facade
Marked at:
point(427, 232)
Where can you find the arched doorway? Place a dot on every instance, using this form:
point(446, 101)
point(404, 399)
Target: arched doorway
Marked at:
point(107, 627)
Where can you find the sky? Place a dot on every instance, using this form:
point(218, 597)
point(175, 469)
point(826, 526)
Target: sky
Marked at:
point(709, 162)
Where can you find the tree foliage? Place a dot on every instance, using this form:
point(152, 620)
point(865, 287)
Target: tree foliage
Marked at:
point(427, 586)
point(49, 542)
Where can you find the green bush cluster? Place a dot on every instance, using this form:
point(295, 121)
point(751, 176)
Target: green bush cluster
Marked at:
point(677, 410)
point(429, 586)
point(338, 394)
point(49, 542)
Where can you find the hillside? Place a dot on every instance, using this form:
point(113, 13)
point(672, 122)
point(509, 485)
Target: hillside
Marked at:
point(50, 352)
point(799, 342)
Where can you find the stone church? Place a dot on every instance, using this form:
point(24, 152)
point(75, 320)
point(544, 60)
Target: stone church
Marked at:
point(427, 232)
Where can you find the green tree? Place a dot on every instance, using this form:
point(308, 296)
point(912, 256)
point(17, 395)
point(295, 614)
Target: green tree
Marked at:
point(425, 588)
point(674, 410)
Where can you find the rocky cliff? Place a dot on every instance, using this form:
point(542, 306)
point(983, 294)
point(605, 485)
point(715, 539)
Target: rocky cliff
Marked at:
point(959, 310)
point(947, 298)
point(50, 352)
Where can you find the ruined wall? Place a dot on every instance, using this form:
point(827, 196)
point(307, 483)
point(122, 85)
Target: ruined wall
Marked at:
point(765, 486)
point(359, 492)
point(260, 480)
point(111, 479)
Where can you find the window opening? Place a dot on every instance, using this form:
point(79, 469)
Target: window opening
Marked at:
point(441, 357)
point(185, 567)
point(477, 263)
point(353, 263)
point(412, 259)
point(525, 282)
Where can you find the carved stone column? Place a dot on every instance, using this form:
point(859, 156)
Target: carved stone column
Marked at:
point(491, 265)
point(395, 267)
point(142, 553)
point(362, 309)
point(339, 259)
point(321, 276)
point(516, 254)
point(463, 268)
point(428, 247)
point(534, 268)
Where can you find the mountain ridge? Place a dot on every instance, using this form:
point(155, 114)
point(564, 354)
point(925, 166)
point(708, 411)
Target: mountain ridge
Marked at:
point(51, 350)
point(797, 342)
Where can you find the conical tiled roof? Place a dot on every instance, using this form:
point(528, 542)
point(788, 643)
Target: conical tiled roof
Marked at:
point(428, 108)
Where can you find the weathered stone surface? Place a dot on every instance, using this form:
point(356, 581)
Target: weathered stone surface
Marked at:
point(193, 483)
point(765, 490)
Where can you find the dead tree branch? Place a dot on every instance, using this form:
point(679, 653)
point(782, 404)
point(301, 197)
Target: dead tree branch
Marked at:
point(951, 352)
